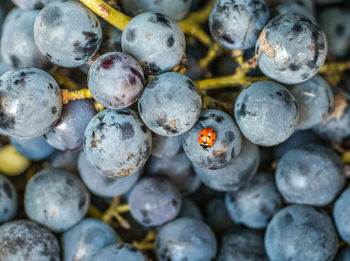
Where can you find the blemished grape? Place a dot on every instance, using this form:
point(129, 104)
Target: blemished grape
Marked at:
point(301, 233)
point(266, 113)
point(190, 209)
point(240, 243)
point(117, 143)
point(178, 104)
point(31, 4)
point(56, 198)
point(177, 10)
point(343, 254)
point(18, 48)
point(336, 24)
point(315, 101)
point(227, 145)
point(30, 103)
point(115, 80)
point(67, 33)
point(155, 40)
point(291, 49)
point(186, 239)
point(165, 147)
point(154, 201)
point(33, 149)
point(69, 131)
point(239, 172)
point(341, 215)
point(8, 200)
point(23, 240)
point(237, 24)
point(310, 174)
point(84, 240)
point(178, 169)
point(101, 185)
point(120, 252)
point(255, 203)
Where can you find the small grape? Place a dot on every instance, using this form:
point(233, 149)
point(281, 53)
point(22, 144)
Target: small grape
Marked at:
point(62, 39)
point(120, 252)
point(8, 200)
point(154, 201)
point(301, 233)
point(266, 113)
point(56, 199)
point(178, 104)
point(237, 24)
point(115, 80)
point(341, 215)
point(155, 40)
point(84, 240)
point(186, 239)
point(69, 131)
point(117, 143)
point(30, 103)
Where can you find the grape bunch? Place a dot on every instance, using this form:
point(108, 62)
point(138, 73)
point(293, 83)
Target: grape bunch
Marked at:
point(186, 130)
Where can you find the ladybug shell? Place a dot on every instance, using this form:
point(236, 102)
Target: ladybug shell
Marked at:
point(207, 137)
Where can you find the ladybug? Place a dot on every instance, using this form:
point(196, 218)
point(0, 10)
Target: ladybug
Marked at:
point(207, 138)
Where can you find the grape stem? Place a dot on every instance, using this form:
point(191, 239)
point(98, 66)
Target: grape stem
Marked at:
point(114, 211)
point(147, 243)
point(68, 96)
point(65, 81)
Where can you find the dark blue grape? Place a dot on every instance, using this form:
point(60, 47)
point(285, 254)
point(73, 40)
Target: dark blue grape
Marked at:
point(56, 199)
point(117, 143)
point(23, 240)
point(69, 131)
point(343, 254)
point(31, 4)
point(84, 240)
point(293, 8)
point(67, 160)
point(190, 209)
point(166, 147)
point(120, 252)
point(237, 24)
point(8, 200)
point(311, 174)
point(154, 201)
point(301, 233)
point(186, 239)
point(341, 215)
point(266, 113)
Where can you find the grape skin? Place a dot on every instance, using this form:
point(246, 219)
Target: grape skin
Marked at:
point(341, 213)
point(120, 251)
point(9, 200)
point(31, 4)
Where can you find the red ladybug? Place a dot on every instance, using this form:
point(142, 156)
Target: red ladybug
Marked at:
point(207, 138)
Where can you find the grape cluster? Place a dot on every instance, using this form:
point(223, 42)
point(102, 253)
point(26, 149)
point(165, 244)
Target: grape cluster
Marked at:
point(186, 130)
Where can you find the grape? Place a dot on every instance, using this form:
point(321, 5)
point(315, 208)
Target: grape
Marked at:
point(117, 143)
point(33, 149)
point(178, 104)
point(56, 199)
point(67, 160)
point(266, 113)
point(217, 217)
point(154, 201)
point(177, 10)
point(311, 174)
point(336, 25)
point(301, 233)
point(101, 185)
point(293, 8)
point(23, 240)
point(4, 67)
point(67, 33)
point(227, 144)
point(178, 169)
point(8, 200)
point(31, 4)
point(315, 101)
point(166, 147)
point(84, 240)
point(254, 204)
point(155, 40)
point(291, 49)
point(115, 80)
point(297, 139)
point(241, 243)
point(18, 48)
point(186, 239)
point(237, 24)
point(240, 171)
point(68, 133)
point(341, 212)
point(30, 103)
point(120, 252)
point(343, 254)
point(190, 209)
